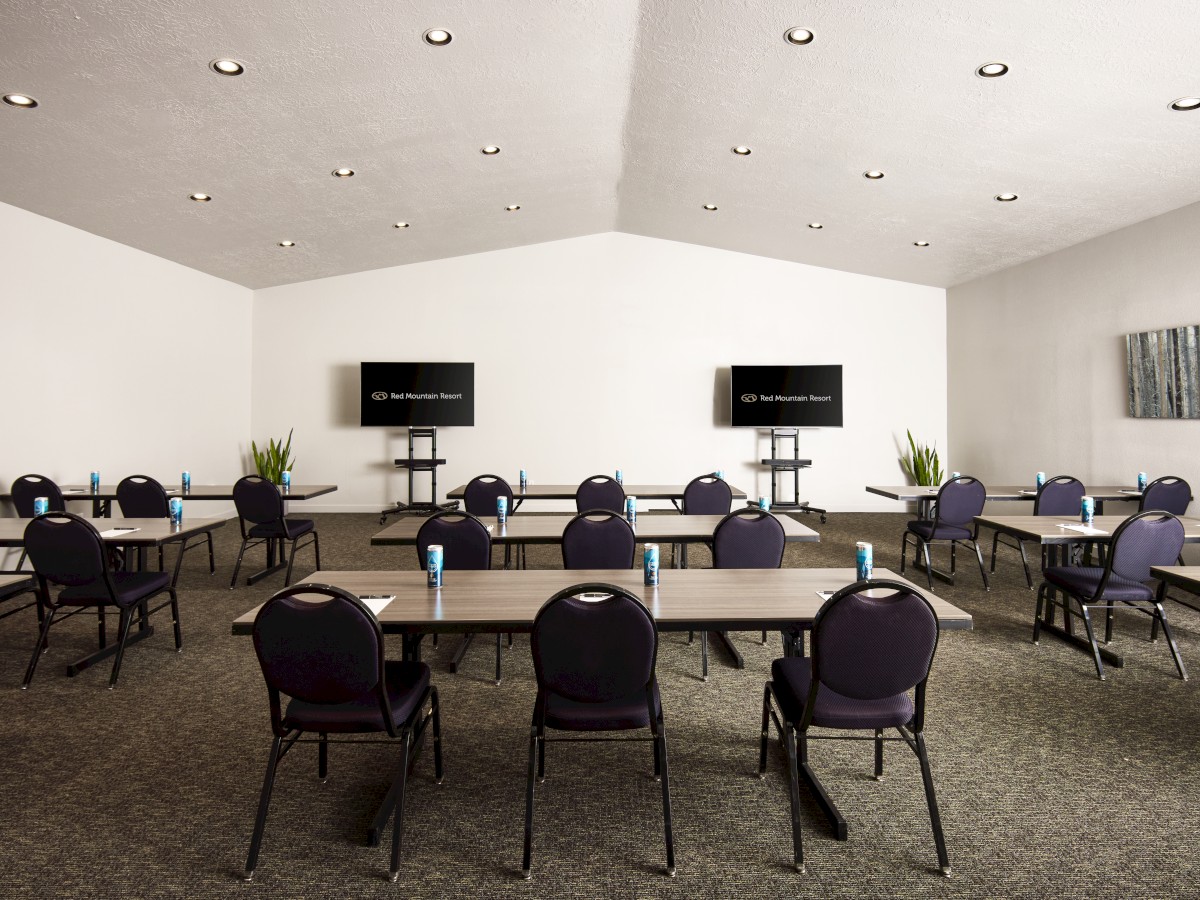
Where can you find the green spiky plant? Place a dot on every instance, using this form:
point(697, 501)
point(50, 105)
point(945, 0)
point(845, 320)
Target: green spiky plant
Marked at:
point(921, 463)
point(274, 460)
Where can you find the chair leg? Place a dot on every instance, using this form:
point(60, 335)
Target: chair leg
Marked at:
point(316, 550)
point(764, 639)
point(37, 649)
point(287, 578)
point(1037, 615)
point(123, 627)
point(982, 571)
point(1161, 616)
point(21, 561)
point(1108, 624)
point(704, 655)
point(879, 754)
point(1091, 634)
point(237, 567)
point(789, 739)
point(1024, 562)
point(398, 822)
point(533, 754)
point(435, 708)
point(212, 560)
point(995, 541)
point(175, 619)
point(766, 732)
point(660, 742)
point(264, 801)
point(928, 564)
point(498, 656)
point(691, 635)
point(903, 551)
point(935, 818)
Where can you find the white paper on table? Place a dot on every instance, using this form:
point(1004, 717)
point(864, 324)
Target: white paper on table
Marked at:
point(118, 532)
point(1030, 493)
point(825, 595)
point(1130, 491)
point(74, 491)
point(1083, 529)
point(376, 604)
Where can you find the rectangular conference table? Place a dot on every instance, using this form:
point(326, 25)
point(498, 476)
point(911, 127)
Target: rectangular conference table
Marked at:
point(924, 496)
point(102, 498)
point(1056, 541)
point(672, 492)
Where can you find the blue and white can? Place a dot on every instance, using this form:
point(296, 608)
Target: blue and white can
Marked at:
point(95, 482)
point(719, 474)
point(954, 475)
point(176, 511)
point(620, 477)
point(186, 481)
point(650, 564)
point(285, 479)
point(864, 561)
point(631, 510)
point(1142, 480)
point(764, 503)
point(1040, 479)
point(434, 560)
point(501, 510)
point(41, 506)
point(524, 480)
point(1087, 510)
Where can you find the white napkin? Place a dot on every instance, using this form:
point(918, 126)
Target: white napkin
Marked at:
point(376, 604)
point(118, 532)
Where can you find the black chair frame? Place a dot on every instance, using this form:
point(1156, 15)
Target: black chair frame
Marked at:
point(538, 738)
point(411, 732)
point(920, 543)
point(1019, 544)
point(22, 498)
point(271, 544)
point(795, 737)
point(29, 586)
point(598, 513)
point(192, 541)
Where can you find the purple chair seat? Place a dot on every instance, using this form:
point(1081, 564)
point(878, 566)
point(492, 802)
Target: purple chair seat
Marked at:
point(611, 715)
point(792, 676)
point(942, 533)
point(1083, 581)
point(295, 527)
point(406, 685)
point(129, 588)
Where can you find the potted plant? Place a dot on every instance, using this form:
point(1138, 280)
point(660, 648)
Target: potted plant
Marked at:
point(274, 460)
point(921, 463)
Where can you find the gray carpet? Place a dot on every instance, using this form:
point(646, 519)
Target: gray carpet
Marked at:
point(1050, 781)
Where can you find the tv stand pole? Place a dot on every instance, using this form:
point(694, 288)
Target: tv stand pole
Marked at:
point(791, 464)
point(415, 464)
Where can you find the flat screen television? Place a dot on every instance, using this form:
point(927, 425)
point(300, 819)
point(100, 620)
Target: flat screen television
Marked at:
point(786, 396)
point(417, 393)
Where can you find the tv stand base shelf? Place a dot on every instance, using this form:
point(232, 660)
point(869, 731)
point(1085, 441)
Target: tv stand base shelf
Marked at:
point(413, 464)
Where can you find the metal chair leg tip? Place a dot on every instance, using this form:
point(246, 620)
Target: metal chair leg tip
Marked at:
point(877, 777)
point(670, 871)
point(800, 870)
point(248, 876)
point(946, 871)
point(541, 779)
point(497, 682)
point(393, 877)
point(439, 780)
point(526, 874)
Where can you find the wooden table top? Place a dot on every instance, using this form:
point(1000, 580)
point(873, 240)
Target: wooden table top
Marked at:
point(1046, 530)
point(909, 493)
point(7, 581)
point(198, 492)
point(520, 529)
point(149, 533)
point(1186, 577)
point(567, 491)
point(508, 600)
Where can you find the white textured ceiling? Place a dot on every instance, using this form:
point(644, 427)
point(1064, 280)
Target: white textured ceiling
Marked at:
point(611, 115)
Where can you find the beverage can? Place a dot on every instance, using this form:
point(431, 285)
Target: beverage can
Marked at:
point(434, 561)
point(864, 560)
point(524, 479)
point(764, 503)
point(1142, 480)
point(176, 511)
point(501, 510)
point(1040, 479)
point(720, 474)
point(41, 506)
point(95, 480)
point(631, 510)
point(1087, 510)
point(620, 477)
point(650, 564)
point(285, 479)
point(186, 481)
point(954, 475)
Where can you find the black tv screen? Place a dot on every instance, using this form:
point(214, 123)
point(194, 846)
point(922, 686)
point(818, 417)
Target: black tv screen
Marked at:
point(410, 393)
point(786, 396)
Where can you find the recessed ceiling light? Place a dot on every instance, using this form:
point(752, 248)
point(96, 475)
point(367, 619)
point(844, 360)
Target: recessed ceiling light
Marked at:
point(287, 243)
point(1006, 198)
point(920, 243)
point(873, 174)
point(710, 207)
point(742, 151)
point(512, 208)
point(1183, 104)
point(199, 197)
point(816, 225)
point(227, 67)
point(798, 36)
point(20, 101)
point(342, 173)
point(489, 150)
point(992, 70)
point(400, 225)
point(438, 37)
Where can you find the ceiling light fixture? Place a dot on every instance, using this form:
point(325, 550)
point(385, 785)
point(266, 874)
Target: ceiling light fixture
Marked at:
point(199, 197)
point(228, 67)
point(710, 207)
point(20, 101)
point(799, 36)
point(1183, 104)
point(873, 174)
point(741, 151)
point(920, 243)
point(438, 37)
point(342, 173)
point(1006, 198)
point(512, 208)
point(489, 150)
point(400, 225)
point(992, 70)
point(287, 243)
point(817, 225)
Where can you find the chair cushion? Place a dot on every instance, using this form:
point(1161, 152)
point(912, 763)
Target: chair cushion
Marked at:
point(614, 715)
point(131, 588)
point(924, 530)
point(792, 676)
point(296, 527)
point(406, 683)
point(1082, 581)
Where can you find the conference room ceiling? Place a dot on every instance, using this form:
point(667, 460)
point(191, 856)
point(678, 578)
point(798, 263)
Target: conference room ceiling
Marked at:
point(610, 115)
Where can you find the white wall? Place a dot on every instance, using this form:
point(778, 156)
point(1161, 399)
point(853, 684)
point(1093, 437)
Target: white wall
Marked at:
point(1037, 356)
point(594, 353)
point(119, 361)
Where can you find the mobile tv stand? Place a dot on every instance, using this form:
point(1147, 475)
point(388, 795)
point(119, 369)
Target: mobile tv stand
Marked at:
point(414, 465)
point(791, 464)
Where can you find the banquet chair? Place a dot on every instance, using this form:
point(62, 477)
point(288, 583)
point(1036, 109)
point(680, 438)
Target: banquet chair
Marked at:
point(259, 502)
point(959, 501)
point(1058, 496)
point(142, 497)
point(600, 492)
point(28, 488)
point(598, 539)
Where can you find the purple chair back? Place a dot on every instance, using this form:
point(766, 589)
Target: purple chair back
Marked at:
point(1167, 494)
point(1059, 496)
point(257, 500)
point(959, 501)
point(748, 539)
point(66, 549)
point(479, 496)
point(1148, 539)
point(707, 495)
point(465, 541)
point(329, 651)
point(141, 497)
point(28, 487)
point(600, 492)
point(870, 648)
point(592, 651)
point(598, 539)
